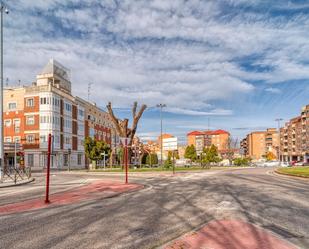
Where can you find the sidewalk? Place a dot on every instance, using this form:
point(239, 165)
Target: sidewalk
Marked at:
point(11, 183)
point(236, 234)
point(96, 190)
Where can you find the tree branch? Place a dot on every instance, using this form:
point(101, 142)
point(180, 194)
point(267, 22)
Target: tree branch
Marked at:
point(114, 119)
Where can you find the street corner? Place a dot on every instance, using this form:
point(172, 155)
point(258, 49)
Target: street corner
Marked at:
point(12, 183)
point(237, 234)
point(96, 190)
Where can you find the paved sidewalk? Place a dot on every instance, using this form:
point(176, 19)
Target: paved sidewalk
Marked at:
point(97, 189)
point(11, 183)
point(232, 234)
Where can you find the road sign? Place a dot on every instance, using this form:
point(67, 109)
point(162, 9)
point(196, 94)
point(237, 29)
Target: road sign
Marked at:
point(125, 140)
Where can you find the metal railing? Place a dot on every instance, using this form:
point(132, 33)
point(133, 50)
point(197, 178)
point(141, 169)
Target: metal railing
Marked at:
point(15, 174)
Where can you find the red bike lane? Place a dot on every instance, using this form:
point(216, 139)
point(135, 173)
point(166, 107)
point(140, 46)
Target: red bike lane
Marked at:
point(230, 234)
point(95, 190)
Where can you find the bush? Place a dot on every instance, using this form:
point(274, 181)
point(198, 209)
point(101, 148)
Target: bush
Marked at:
point(241, 161)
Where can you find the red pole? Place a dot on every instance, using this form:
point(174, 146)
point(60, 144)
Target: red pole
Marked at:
point(48, 170)
point(126, 159)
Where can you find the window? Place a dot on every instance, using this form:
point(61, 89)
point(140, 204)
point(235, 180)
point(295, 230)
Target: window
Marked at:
point(30, 138)
point(43, 138)
point(30, 102)
point(68, 107)
point(7, 139)
point(79, 159)
point(30, 160)
point(81, 113)
point(65, 159)
point(17, 125)
point(30, 120)
point(67, 140)
point(17, 139)
point(43, 101)
point(7, 122)
point(12, 106)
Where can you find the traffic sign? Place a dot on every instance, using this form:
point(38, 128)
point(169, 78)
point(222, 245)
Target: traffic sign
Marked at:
point(125, 140)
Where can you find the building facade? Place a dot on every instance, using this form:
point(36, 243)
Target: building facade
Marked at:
point(202, 139)
point(257, 144)
point(292, 142)
point(46, 107)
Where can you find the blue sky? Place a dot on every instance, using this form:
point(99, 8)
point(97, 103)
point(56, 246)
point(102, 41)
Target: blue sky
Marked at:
point(232, 64)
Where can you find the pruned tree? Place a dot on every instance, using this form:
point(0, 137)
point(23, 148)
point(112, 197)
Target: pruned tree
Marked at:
point(231, 146)
point(121, 126)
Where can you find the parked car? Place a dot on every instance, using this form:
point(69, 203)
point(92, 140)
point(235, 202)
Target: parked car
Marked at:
point(285, 164)
point(271, 164)
point(300, 163)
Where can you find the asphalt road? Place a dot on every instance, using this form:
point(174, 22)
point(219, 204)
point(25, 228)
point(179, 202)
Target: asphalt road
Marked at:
point(167, 208)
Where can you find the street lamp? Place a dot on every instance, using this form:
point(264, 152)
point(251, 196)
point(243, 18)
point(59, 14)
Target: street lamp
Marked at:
point(4, 9)
point(161, 106)
point(279, 147)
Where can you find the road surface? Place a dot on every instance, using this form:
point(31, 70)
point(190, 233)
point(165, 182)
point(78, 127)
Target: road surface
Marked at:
point(168, 207)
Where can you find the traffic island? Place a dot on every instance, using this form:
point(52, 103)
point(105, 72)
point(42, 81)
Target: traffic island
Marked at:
point(294, 171)
point(95, 190)
point(237, 234)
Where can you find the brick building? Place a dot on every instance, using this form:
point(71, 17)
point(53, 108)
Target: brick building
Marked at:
point(201, 139)
point(48, 107)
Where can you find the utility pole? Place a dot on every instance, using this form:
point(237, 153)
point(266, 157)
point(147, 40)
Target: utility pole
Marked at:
point(161, 106)
point(4, 9)
point(279, 135)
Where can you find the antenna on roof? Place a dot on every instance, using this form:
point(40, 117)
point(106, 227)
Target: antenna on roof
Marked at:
point(209, 124)
point(19, 82)
point(7, 82)
point(89, 90)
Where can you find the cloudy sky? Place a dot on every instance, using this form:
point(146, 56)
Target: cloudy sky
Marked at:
point(230, 64)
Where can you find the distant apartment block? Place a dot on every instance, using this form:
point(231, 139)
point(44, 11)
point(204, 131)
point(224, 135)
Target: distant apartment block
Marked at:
point(202, 139)
point(294, 138)
point(48, 107)
point(257, 144)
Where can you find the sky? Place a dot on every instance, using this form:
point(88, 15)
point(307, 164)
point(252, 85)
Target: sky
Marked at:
point(217, 64)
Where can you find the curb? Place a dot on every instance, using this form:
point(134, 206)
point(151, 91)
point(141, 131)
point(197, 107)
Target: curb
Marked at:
point(17, 184)
point(291, 176)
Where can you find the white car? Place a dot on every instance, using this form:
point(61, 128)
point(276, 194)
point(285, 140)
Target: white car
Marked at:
point(284, 164)
point(271, 164)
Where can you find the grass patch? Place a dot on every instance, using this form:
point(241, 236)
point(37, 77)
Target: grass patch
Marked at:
point(295, 171)
point(159, 169)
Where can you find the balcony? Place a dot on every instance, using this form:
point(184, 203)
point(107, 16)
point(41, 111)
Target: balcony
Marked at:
point(31, 146)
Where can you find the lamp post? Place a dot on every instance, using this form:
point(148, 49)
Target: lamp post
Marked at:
point(4, 9)
point(161, 106)
point(279, 147)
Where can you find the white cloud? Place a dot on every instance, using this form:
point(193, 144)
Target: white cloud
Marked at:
point(273, 90)
point(186, 54)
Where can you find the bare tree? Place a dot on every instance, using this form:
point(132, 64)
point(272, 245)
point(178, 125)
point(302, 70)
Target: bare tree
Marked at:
point(231, 146)
point(121, 126)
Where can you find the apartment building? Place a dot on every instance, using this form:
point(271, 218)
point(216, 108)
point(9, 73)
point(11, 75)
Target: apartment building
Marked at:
point(169, 143)
point(202, 139)
point(291, 140)
point(48, 107)
point(257, 144)
point(305, 133)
